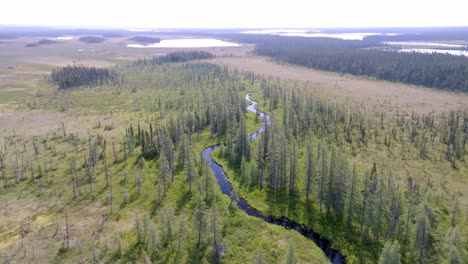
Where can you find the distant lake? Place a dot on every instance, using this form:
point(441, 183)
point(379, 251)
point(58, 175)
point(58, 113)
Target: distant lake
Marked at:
point(139, 29)
point(346, 36)
point(451, 52)
point(417, 43)
point(312, 34)
point(62, 38)
point(186, 43)
point(278, 31)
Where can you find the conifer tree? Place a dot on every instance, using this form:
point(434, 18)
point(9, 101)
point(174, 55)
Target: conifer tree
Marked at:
point(390, 253)
point(309, 171)
point(291, 257)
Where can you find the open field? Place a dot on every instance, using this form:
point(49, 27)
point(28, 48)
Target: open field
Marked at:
point(23, 69)
point(364, 93)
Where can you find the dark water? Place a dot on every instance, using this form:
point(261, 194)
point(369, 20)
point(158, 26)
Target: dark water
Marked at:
point(226, 188)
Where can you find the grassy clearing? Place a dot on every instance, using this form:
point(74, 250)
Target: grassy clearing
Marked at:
point(355, 92)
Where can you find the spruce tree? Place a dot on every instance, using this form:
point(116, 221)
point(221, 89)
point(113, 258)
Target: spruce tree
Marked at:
point(390, 253)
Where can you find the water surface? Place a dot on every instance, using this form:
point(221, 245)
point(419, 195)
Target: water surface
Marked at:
point(443, 51)
point(308, 33)
point(226, 188)
point(345, 36)
point(186, 43)
point(418, 43)
point(62, 38)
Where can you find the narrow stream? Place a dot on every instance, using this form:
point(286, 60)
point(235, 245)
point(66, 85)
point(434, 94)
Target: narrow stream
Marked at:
point(226, 189)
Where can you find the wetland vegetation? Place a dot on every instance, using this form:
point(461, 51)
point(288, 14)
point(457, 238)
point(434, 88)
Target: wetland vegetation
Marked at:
point(112, 169)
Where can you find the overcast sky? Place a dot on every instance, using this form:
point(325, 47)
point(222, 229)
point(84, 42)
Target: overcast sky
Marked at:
point(235, 13)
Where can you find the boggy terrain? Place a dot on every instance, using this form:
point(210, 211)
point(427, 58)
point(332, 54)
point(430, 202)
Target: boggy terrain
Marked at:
point(361, 92)
point(113, 173)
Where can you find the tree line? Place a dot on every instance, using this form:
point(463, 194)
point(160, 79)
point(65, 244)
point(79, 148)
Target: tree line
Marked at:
point(91, 39)
point(425, 35)
point(145, 39)
point(78, 75)
point(440, 71)
point(175, 57)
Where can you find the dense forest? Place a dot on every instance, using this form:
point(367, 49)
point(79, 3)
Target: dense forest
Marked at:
point(46, 42)
point(78, 75)
point(356, 57)
point(424, 34)
point(145, 39)
point(41, 42)
point(174, 57)
point(91, 39)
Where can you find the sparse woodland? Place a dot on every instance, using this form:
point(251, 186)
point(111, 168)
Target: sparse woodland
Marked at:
point(380, 187)
point(320, 156)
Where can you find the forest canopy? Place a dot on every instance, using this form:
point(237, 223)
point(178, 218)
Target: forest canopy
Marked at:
point(178, 56)
point(78, 75)
point(144, 39)
point(91, 39)
point(441, 71)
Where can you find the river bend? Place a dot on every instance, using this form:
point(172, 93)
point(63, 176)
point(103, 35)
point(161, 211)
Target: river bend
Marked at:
point(226, 188)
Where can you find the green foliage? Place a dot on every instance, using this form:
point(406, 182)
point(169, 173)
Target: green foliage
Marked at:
point(363, 204)
point(175, 57)
point(144, 39)
point(91, 39)
point(291, 258)
point(170, 112)
point(361, 58)
point(390, 253)
point(46, 42)
point(77, 75)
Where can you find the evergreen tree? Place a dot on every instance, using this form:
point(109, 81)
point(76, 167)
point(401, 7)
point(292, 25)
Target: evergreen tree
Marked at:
point(309, 171)
point(164, 173)
point(421, 234)
point(200, 221)
point(243, 141)
point(323, 175)
point(260, 259)
point(292, 169)
point(189, 164)
point(291, 257)
point(215, 234)
point(390, 253)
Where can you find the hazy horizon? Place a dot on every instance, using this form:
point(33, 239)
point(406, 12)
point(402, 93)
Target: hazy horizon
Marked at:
point(136, 29)
point(231, 15)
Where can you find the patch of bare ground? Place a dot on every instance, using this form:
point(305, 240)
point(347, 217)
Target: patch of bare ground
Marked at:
point(365, 93)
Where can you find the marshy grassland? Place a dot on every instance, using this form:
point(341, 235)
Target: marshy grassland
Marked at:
point(112, 173)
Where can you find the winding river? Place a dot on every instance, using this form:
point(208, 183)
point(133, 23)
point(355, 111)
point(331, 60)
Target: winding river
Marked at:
point(226, 189)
